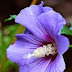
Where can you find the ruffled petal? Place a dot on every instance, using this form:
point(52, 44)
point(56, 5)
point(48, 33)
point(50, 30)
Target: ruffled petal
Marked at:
point(28, 18)
point(46, 9)
point(36, 66)
point(16, 54)
point(58, 65)
point(23, 68)
point(52, 21)
point(62, 44)
point(42, 65)
point(29, 38)
point(24, 45)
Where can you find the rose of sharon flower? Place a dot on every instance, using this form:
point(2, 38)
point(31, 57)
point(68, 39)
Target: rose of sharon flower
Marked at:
point(41, 47)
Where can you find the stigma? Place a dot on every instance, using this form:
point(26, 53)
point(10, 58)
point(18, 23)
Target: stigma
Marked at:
point(46, 50)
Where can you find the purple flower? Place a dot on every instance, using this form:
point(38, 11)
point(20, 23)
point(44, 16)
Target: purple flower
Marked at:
point(41, 47)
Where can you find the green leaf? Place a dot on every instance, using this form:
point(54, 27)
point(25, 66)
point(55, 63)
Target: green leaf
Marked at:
point(71, 26)
point(11, 18)
point(9, 66)
point(66, 30)
point(5, 42)
point(0, 38)
point(70, 46)
point(0, 33)
point(1, 44)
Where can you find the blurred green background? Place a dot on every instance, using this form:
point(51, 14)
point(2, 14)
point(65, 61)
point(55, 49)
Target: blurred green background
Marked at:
point(9, 29)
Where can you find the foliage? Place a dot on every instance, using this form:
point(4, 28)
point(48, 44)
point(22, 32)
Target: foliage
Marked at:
point(71, 26)
point(66, 30)
point(11, 18)
point(5, 41)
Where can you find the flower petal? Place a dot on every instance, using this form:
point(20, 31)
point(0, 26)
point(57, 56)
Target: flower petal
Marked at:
point(46, 9)
point(58, 65)
point(37, 66)
point(28, 18)
point(27, 31)
point(62, 44)
point(23, 68)
point(52, 21)
point(16, 54)
point(42, 65)
point(25, 44)
point(29, 38)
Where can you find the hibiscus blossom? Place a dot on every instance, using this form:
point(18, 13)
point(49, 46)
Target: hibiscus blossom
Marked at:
point(41, 47)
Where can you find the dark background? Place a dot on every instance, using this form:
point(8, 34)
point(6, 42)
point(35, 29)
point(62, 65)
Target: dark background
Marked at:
point(11, 7)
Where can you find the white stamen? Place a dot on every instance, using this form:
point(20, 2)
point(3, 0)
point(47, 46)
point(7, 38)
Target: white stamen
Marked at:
point(30, 55)
point(45, 50)
point(42, 51)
